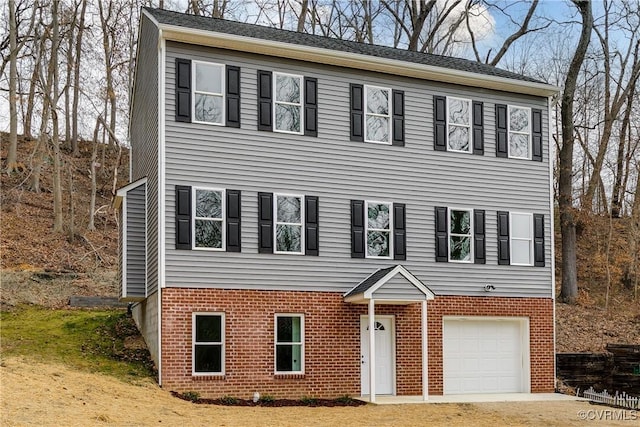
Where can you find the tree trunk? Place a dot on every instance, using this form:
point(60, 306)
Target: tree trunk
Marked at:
point(76, 82)
point(569, 287)
point(94, 158)
point(12, 157)
point(53, 74)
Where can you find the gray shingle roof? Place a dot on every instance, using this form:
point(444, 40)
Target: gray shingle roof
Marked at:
point(370, 281)
point(273, 34)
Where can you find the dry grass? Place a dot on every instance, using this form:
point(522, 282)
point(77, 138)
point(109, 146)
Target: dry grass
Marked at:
point(34, 393)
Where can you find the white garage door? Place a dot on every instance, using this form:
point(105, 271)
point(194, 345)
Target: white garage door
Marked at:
point(485, 356)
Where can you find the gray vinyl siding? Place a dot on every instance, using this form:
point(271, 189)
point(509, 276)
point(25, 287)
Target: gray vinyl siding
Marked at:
point(144, 138)
point(337, 171)
point(120, 250)
point(398, 288)
point(136, 242)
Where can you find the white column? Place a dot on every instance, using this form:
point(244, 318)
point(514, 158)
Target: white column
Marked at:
point(372, 351)
point(425, 355)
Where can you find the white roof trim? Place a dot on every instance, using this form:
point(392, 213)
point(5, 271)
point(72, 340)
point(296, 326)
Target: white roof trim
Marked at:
point(352, 60)
point(122, 192)
point(398, 269)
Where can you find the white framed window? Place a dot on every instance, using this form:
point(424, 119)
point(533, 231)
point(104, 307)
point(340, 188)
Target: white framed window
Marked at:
point(208, 331)
point(289, 224)
point(519, 132)
point(208, 206)
point(521, 238)
point(377, 109)
point(208, 92)
point(459, 125)
point(287, 103)
point(289, 344)
point(460, 235)
point(378, 225)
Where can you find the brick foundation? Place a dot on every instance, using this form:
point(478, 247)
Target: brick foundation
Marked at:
point(332, 341)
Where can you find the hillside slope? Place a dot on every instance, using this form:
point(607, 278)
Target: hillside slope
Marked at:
point(42, 267)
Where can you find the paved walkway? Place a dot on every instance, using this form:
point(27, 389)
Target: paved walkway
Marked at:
point(473, 398)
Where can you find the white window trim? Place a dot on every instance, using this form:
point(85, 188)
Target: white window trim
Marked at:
point(194, 92)
point(275, 345)
point(276, 223)
point(509, 132)
point(511, 238)
point(388, 116)
point(449, 234)
point(468, 126)
point(300, 105)
point(222, 343)
point(223, 220)
point(367, 229)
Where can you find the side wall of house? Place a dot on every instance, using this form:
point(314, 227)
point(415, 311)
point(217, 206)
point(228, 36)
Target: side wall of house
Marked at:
point(136, 248)
point(332, 355)
point(338, 170)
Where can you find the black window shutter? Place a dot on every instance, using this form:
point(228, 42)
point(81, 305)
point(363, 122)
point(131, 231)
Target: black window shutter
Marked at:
point(357, 229)
point(183, 90)
point(311, 225)
point(265, 223)
point(234, 217)
point(501, 130)
point(233, 96)
point(442, 237)
point(310, 106)
point(504, 257)
point(478, 128)
point(536, 147)
point(265, 106)
point(398, 118)
point(479, 242)
point(357, 112)
point(183, 217)
point(440, 123)
point(399, 232)
point(538, 239)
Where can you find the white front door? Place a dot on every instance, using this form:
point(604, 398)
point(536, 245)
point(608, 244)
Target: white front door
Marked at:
point(384, 363)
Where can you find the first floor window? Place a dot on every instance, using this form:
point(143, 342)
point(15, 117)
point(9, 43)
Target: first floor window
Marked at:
point(288, 103)
point(378, 224)
point(208, 343)
point(289, 214)
point(519, 132)
point(460, 235)
point(459, 124)
point(208, 220)
point(377, 114)
point(521, 235)
point(289, 345)
point(208, 92)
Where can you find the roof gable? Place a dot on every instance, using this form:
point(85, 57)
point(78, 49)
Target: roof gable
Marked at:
point(373, 286)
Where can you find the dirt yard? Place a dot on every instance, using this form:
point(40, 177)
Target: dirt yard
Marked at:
point(52, 395)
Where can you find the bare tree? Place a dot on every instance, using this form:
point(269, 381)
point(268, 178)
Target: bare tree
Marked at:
point(569, 288)
point(76, 80)
point(12, 157)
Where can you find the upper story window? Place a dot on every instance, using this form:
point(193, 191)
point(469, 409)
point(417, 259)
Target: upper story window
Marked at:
point(288, 103)
point(519, 132)
point(207, 344)
point(521, 239)
point(208, 221)
point(289, 226)
point(459, 125)
point(289, 344)
point(460, 235)
point(378, 228)
point(521, 234)
point(208, 92)
point(377, 114)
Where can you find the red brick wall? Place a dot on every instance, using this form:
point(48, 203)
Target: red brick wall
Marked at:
point(332, 341)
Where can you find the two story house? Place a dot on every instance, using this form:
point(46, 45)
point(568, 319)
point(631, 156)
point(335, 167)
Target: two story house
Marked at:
point(316, 217)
